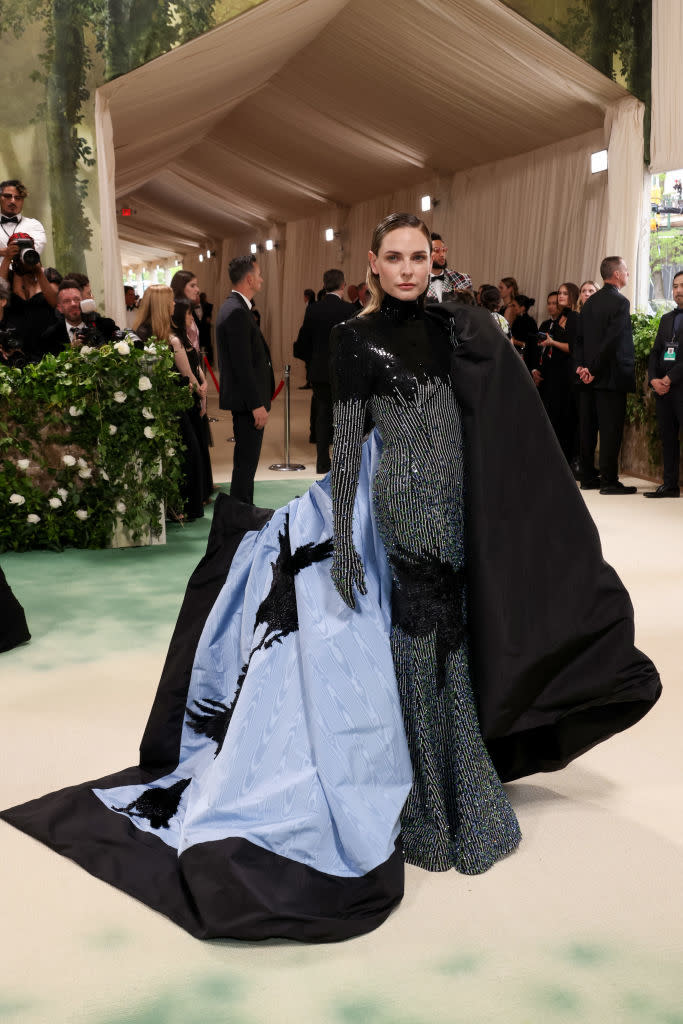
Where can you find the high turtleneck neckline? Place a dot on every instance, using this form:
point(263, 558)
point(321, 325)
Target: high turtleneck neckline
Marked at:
point(402, 309)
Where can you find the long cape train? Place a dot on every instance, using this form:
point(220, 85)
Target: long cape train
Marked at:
point(274, 765)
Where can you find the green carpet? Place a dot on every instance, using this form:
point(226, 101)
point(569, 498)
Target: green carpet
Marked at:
point(135, 592)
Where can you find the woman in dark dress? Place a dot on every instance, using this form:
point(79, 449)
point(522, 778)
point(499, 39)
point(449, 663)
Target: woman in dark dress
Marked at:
point(316, 726)
point(555, 366)
point(181, 319)
point(394, 361)
point(524, 330)
point(154, 321)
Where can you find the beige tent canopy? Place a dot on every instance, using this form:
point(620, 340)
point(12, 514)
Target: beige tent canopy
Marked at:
point(301, 115)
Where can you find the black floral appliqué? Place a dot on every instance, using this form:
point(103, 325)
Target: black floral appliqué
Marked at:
point(278, 613)
point(428, 595)
point(278, 608)
point(212, 717)
point(156, 804)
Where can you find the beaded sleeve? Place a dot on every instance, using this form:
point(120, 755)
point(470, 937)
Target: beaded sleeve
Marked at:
point(350, 377)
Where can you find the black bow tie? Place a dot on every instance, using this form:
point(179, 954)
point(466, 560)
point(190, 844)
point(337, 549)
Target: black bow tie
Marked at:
point(436, 277)
point(9, 220)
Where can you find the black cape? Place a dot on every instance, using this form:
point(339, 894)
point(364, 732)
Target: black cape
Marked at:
point(553, 666)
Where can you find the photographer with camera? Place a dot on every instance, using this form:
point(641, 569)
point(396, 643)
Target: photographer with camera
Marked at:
point(12, 195)
point(31, 308)
point(80, 323)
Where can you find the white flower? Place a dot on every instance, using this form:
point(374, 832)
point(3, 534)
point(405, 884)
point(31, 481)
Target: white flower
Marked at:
point(75, 411)
point(56, 502)
point(82, 462)
point(152, 349)
point(123, 348)
point(81, 513)
point(121, 507)
point(67, 366)
point(16, 499)
point(32, 518)
point(5, 388)
point(86, 350)
point(25, 463)
point(144, 384)
point(103, 475)
point(68, 460)
point(170, 451)
point(149, 432)
point(63, 494)
point(112, 428)
point(147, 413)
point(85, 473)
point(120, 397)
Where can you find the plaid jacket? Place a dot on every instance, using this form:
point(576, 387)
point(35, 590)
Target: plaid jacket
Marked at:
point(452, 282)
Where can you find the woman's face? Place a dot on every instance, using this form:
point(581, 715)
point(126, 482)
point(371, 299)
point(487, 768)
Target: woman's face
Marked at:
point(515, 308)
point(191, 292)
point(402, 263)
point(563, 299)
point(504, 290)
point(587, 290)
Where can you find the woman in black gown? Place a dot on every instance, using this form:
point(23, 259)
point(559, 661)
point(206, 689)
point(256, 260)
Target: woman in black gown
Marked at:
point(394, 361)
point(298, 729)
point(555, 365)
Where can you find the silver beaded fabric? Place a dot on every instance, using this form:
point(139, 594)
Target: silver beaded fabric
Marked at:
point(395, 363)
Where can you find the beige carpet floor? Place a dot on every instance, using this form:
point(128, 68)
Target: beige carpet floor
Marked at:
point(583, 924)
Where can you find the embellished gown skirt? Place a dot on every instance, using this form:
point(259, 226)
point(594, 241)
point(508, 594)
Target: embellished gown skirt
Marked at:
point(457, 813)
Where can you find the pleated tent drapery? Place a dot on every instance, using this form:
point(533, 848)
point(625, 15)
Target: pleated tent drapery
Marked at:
point(306, 114)
point(666, 139)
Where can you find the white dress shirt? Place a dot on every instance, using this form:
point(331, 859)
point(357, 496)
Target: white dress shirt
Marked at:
point(27, 225)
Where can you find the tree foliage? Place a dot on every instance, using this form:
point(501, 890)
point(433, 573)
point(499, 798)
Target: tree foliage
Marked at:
point(615, 36)
point(127, 33)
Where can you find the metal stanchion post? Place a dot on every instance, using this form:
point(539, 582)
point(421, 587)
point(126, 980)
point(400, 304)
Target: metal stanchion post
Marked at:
point(287, 466)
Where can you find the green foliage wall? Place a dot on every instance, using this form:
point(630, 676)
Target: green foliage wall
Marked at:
point(615, 36)
point(53, 55)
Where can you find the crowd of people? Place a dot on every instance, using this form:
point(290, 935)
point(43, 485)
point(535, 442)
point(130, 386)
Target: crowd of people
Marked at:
point(580, 358)
point(44, 312)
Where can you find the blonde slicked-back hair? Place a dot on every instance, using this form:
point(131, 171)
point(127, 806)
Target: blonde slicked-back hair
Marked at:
point(155, 309)
point(390, 223)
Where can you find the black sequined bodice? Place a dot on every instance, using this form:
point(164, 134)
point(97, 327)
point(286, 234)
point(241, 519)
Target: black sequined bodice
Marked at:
point(391, 350)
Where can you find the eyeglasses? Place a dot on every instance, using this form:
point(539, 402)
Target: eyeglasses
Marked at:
point(9, 195)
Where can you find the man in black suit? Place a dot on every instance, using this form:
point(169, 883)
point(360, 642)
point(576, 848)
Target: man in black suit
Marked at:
point(605, 364)
point(665, 374)
point(314, 344)
point(246, 372)
point(74, 330)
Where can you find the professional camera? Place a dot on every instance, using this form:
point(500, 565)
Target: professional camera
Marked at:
point(11, 351)
point(88, 333)
point(27, 255)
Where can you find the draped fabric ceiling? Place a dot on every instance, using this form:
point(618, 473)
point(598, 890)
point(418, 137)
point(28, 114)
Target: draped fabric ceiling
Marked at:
point(302, 114)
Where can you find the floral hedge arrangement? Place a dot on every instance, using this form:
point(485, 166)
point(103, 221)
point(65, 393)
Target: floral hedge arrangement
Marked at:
point(89, 438)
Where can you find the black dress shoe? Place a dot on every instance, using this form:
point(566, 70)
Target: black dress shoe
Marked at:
point(591, 485)
point(664, 492)
point(617, 488)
